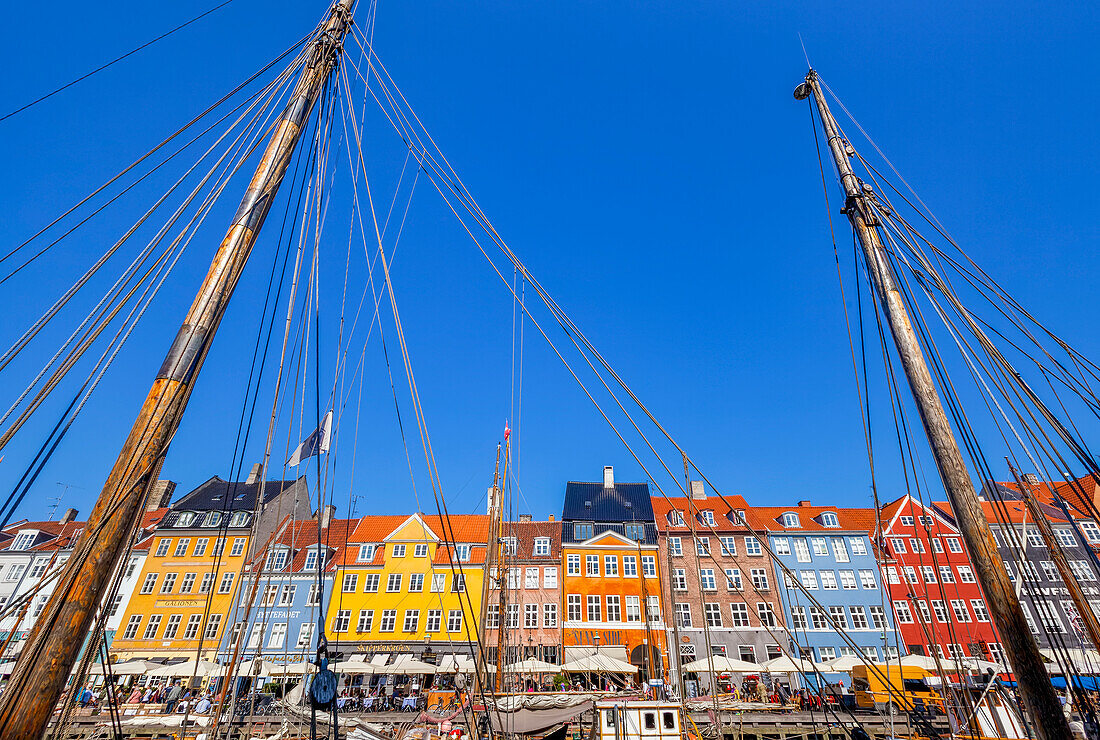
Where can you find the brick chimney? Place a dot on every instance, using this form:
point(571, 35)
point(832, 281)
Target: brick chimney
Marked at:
point(160, 495)
point(525, 517)
point(327, 515)
point(68, 516)
point(805, 504)
point(698, 491)
point(254, 476)
point(551, 518)
point(608, 476)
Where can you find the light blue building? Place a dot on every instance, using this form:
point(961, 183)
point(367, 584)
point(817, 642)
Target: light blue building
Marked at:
point(281, 624)
point(828, 550)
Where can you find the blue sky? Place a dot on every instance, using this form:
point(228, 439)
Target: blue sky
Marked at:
point(648, 163)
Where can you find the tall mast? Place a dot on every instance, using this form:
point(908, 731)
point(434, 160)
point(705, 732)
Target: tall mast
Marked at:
point(52, 648)
point(1036, 689)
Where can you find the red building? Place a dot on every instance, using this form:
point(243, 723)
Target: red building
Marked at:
point(938, 604)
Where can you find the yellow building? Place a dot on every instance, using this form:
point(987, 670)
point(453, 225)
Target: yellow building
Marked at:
point(190, 578)
point(409, 584)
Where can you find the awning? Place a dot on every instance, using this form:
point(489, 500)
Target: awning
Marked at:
point(599, 664)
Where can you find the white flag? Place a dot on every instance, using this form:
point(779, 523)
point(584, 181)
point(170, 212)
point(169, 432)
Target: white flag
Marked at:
point(315, 443)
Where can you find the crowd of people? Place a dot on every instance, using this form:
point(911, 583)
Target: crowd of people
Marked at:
point(176, 698)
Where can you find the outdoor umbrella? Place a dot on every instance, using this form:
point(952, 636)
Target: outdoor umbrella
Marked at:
point(787, 664)
point(202, 668)
point(926, 662)
point(598, 664)
point(532, 665)
point(845, 663)
point(722, 664)
point(409, 667)
point(295, 669)
point(129, 668)
point(354, 667)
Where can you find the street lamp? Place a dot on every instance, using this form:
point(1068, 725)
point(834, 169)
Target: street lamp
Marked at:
point(599, 678)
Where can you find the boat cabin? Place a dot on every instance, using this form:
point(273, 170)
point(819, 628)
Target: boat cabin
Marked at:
point(639, 720)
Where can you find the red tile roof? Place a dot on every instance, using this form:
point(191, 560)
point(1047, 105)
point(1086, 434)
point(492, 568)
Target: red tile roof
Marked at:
point(725, 512)
point(861, 520)
point(527, 532)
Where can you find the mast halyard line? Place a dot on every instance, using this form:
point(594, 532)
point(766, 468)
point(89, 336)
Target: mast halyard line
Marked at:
point(42, 671)
point(1036, 689)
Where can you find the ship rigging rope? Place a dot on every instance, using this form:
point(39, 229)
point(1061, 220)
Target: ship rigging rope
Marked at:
point(114, 61)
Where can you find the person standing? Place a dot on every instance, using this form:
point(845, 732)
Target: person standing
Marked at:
point(173, 697)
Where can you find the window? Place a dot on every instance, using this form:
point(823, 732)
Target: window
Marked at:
point(226, 585)
point(416, 583)
point(1091, 531)
point(313, 598)
point(549, 615)
point(592, 565)
point(393, 583)
point(276, 560)
point(676, 518)
point(789, 519)
point(1035, 539)
point(911, 574)
point(962, 614)
point(766, 613)
point(937, 546)
point(509, 545)
point(173, 626)
point(929, 573)
point(213, 519)
point(649, 566)
point(809, 579)
point(702, 546)
point(458, 583)
point(946, 574)
point(238, 546)
point(925, 614)
point(966, 575)
point(707, 517)
point(729, 546)
point(826, 653)
point(829, 519)
point(840, 551)
point(848, 579)
point(370, 583)
point(980, 612)
point(1081, 570)
point(840, 619)
point(858, 545)
point(891, 575)
point(953, 544)
point(781, 545)
point(817, 619)
point(828, 580)
point(366, 553)
point(573, 607)
point(712, 613)
point(634, 531)
point(286, 596)
point(200, 546)
point(859, 617)
point(801, 550)
point(819, 546)
point(706, 579)
point(185, 519)
point(162, 546)
point(679, 579)
point(492, 616)
point(420, 550)
point(878, 617)
point(412, 620)
point(593, 608)
point(582, 531)
point(191, 631)
point(311, 561)
point(901, 609)
point(239, 519)
point(633, 609)
point(342, 620)
point(573, 565)
point(550, 577)
point(798, 618)
point(388, 623)
point(269, 596)
point(351, 582)
point(305, 635)
point(398, 551)
point(16, 572)
point(899, 545)
point(169, 583)
point(215, 620)
point(207, 583)
point(752, 546)
point(610, 565)
point(733, 579)
point(1049, 570)
point(614, 610)
point(941, 611)
point(454, 620)
point(530, 616)
point(683, 615)
point(630, 566)
point(132, 627)
point(152, 627)
point(906, 521)
point(867, 579)
point(146, 587)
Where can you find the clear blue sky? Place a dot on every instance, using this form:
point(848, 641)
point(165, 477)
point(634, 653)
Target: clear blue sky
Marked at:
point(648, 163)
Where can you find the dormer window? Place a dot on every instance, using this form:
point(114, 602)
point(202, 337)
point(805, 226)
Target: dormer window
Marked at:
point(676, 518)
point(542, 545)
point(185, 519)
point(276, 559)
point(582, 531)
point(828, 519)
point(509, 545)
point(707, 517)
point(366, 553)
point(311, 561)
point(462, 552)
point(23, 541)
point(213, 519)
point(239, 519)
point(790, 519)
point(741, 516)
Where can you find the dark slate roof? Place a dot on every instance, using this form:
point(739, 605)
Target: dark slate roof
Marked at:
point(221, 495)
point(624, 503)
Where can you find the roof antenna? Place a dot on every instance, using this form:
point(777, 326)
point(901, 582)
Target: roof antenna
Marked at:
point(803, 43)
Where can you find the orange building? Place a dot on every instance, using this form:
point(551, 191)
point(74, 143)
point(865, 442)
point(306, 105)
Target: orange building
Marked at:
point(611, 590)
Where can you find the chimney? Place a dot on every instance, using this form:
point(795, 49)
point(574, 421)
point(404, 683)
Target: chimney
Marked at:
point(608, 476)
point(1031, 479)
point(804, 504)
point(698, 491)
point(254, 476)
point(525, 517)
point(327, 514)
point(160, 495)
point(551, 518)
point(68, 516)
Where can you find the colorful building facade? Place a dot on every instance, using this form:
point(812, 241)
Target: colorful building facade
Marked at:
point(611, 587)
point(409, 584)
